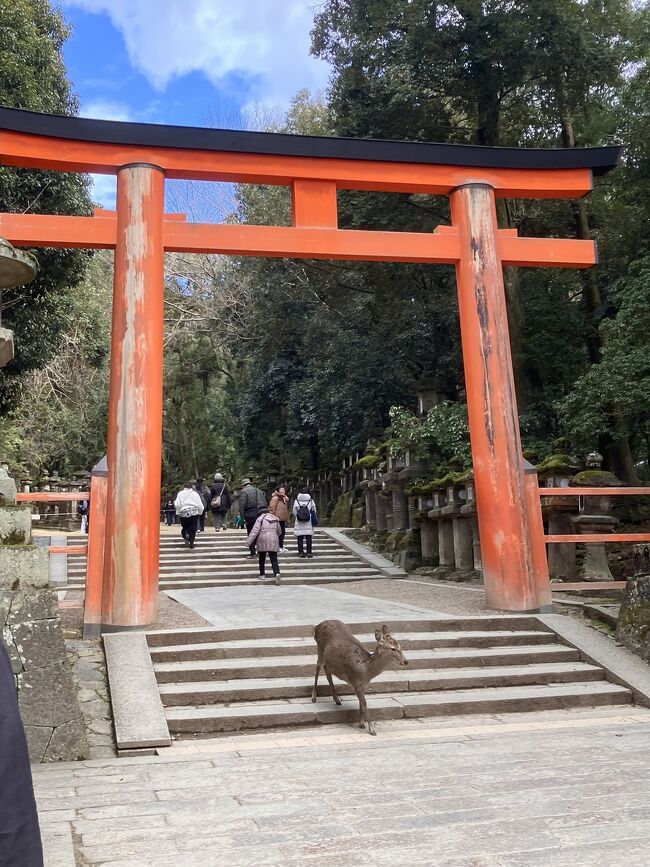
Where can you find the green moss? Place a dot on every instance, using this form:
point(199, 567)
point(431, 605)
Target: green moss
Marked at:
point(368, 462)
point(357, 517)
point(637, 618)
point(423, 489)
point(596, 479)
point(342, 511)
point(16, 537)
point(563, 463)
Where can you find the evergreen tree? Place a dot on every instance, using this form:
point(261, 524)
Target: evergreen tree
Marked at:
point(33, 76)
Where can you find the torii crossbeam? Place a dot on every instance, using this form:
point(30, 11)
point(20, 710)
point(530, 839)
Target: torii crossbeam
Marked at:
point(314, 168)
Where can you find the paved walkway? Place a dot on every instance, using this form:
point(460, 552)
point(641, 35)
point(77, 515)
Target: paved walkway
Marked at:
point(518, 790)
point(268, 605)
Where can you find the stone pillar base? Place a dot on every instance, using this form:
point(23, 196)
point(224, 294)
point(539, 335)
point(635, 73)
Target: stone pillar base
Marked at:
point(446, 543)
point(46, 693)
point(633, 627)
point(30, 627)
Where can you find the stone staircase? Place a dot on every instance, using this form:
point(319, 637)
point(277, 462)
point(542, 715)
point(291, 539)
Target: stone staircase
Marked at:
point(218, 560)
point(215, 680)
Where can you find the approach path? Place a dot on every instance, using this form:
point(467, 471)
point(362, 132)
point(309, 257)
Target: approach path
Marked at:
point(517, 790)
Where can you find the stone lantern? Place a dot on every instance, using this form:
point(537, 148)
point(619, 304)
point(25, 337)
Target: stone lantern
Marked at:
point(469, 510)
point(272, 479)
point(460, 526)
point(16, 268)
point(557, 471)
point(594, 517)
point(438, 514)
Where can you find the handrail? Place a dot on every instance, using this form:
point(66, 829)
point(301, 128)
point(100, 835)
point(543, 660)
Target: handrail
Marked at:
point(52, 496)
point(68, 549)
point(594, 492)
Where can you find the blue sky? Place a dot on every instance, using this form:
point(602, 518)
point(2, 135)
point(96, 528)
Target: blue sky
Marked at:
point(188, 62)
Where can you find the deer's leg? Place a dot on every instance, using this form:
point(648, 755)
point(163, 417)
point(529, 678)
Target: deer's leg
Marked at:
point(364, 716)
point(313, 693)
point(331, 683)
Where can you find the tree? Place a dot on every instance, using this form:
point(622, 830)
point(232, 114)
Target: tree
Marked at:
point(59, 421)
point(622, 378)
point(505, 72)
point(33, 76)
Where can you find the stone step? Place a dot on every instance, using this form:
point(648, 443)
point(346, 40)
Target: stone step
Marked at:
point(402, 680)
point(494, 623)
point(302, 665)
point(284, 647)
point(301, 711)
point(250, 568)
point(206, 584)
point(196, 557)
point(254, 579)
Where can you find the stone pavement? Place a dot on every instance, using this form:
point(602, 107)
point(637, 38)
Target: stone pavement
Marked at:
point(268, 605)
point(517, 790)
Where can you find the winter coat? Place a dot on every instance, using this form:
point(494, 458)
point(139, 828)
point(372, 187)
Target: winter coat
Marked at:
point(266, 533)
point(303, 528)
point(189, 499)
point(279, 506)
point(204, 492)
point(251, 502)
point(216, 489)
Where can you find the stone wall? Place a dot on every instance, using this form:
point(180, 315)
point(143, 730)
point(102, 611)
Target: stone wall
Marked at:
point(633, 628)
point(31, 630)
point(46, 694)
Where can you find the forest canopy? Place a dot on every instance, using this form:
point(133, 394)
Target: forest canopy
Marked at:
point(288, 364)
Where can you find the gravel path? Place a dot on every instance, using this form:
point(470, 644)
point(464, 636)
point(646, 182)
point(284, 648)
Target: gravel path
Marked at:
point(449, 598)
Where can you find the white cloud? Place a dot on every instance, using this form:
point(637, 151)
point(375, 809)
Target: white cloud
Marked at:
point(266, 40)
point(104, 190)
point(105, 109)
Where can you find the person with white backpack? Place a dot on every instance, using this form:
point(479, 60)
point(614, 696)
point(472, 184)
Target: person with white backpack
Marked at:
point(189, 506)
point(304, 512)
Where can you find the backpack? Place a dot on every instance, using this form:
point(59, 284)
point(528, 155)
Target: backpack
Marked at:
point(304, 512)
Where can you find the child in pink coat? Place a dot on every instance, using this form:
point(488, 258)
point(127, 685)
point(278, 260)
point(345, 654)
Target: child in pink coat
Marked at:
point(266, 536)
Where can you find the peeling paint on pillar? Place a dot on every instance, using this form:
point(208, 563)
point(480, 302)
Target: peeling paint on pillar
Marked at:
point(135, 402)
point(508, 565)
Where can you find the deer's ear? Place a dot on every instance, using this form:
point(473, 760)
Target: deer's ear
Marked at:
point(378, 635)
point(385, 630)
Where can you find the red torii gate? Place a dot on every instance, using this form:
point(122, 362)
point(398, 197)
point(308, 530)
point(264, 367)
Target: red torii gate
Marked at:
point(315, 168)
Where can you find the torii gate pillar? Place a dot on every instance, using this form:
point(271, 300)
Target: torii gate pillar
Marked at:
point(135, 403)
point(508, 549)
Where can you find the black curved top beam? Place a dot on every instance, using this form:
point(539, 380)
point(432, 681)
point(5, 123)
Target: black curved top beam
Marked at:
point(599, 159)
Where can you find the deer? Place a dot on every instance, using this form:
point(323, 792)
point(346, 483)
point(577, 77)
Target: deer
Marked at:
point(343, 655)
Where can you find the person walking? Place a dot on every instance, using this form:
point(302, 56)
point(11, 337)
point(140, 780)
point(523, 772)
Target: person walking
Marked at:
point(266, 535)
point(304, 512)
point(251, 503)
point(189, 506)
point(83, 509)
point(279, 506)
point(169, 512)
point(204, 492)
point(219, 502)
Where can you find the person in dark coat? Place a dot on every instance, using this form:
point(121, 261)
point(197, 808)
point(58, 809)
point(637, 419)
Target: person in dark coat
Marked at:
point(204, 492)
point(219, 502)
point(20, 836)
point(169, 512)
